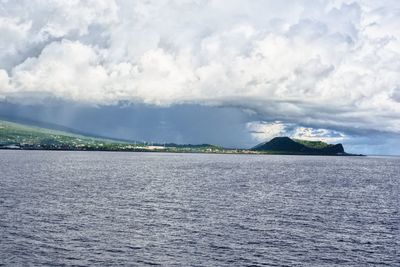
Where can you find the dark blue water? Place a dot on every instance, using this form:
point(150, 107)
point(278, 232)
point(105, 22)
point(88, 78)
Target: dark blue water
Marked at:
point(99, 208)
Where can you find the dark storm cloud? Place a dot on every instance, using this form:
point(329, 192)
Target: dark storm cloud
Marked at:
point(182, 124)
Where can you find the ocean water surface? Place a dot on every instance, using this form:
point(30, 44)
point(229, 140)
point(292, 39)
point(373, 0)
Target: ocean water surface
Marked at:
point(138, 209)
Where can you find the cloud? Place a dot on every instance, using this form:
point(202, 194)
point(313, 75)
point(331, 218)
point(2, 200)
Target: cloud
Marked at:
point(64, 69)
point(265, 131)
point(4, 81)
point(27, 27)
point(14, 35)
point(332, 65)
point(183, 124)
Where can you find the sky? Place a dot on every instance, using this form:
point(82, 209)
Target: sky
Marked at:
point(233, 73)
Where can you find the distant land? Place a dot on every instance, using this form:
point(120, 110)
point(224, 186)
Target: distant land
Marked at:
point(27, 137)
point(285, 145)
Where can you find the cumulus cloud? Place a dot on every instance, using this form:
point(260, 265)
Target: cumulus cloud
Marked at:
point(265, 131)
point(4, 81)
point(333, 64)
point(66, 69)
point(27, 27)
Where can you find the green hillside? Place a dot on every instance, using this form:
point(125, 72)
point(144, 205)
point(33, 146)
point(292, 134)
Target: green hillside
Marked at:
point(35, 137)
point(285, 145)
point(312, 144)
point(20, 136)
point(15, 135)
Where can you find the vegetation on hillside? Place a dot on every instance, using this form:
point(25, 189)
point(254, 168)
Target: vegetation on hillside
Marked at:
point(15, 135)
point(312, 144)
point(19, 136)
point(285, 145)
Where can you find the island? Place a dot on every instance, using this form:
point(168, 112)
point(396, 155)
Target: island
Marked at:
point(286, 145)
point(27, 137)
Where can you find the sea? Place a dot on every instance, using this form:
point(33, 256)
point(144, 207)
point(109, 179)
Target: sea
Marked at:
point(159, 209)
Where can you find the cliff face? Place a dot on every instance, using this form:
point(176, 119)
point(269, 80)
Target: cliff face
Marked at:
point(285, 145)
point(334, 149)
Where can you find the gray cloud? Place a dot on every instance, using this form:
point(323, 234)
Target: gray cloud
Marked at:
point(180, 123)
point(332, 64)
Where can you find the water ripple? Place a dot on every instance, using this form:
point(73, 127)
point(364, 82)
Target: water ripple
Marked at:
point(142, 209)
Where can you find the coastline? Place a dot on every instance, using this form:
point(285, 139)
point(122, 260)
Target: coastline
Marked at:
point(186, 151)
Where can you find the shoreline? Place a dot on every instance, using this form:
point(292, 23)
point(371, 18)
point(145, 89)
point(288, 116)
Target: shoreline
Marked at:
point(225, 152)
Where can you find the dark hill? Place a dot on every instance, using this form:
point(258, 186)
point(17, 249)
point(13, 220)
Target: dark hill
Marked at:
point(285, 145)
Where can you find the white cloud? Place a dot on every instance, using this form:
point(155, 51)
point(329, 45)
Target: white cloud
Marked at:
point(331, 63)
point(264, 131)
point(67, 70)
point(27, 26)
point(4, 83)
point(14, 34)
point(311, 134)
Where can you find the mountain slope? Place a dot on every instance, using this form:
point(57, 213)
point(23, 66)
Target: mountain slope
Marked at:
point(54, 127)
point(34, 137)
point(21, 136)
point(285, 145)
